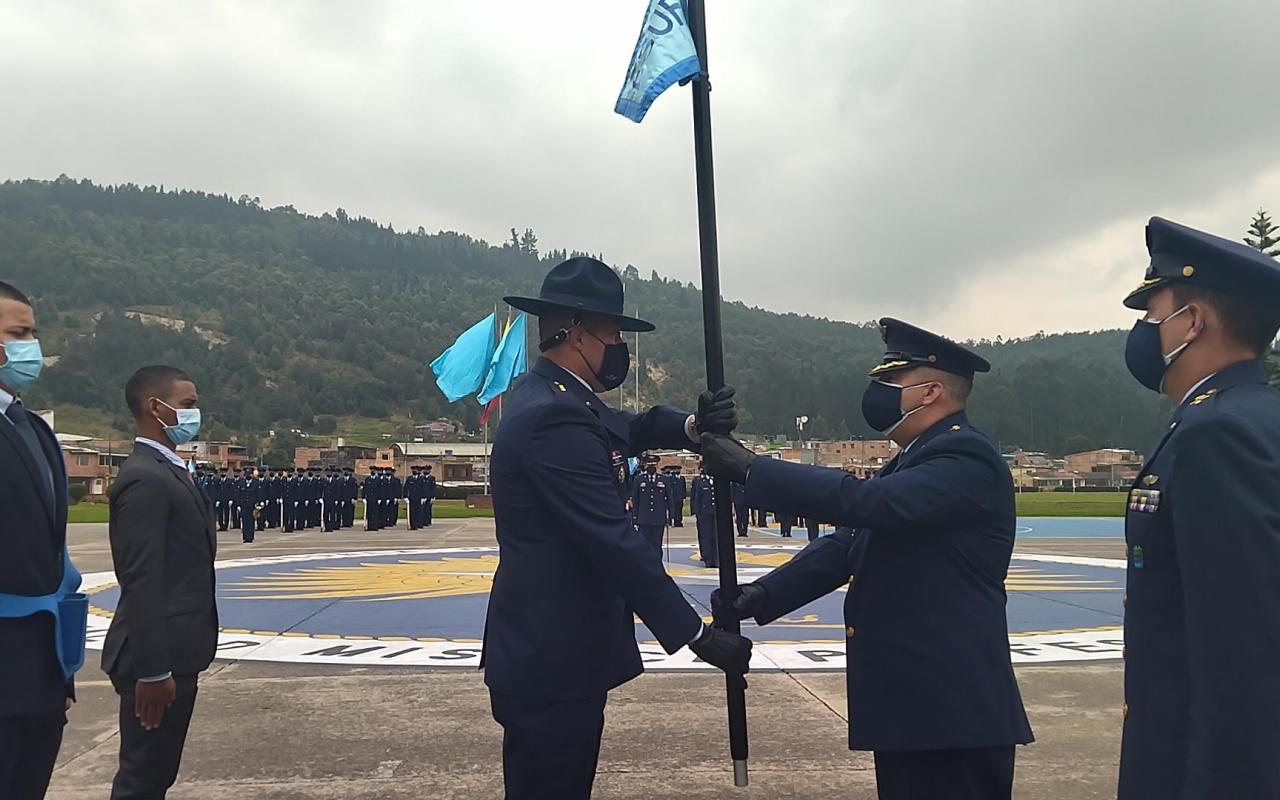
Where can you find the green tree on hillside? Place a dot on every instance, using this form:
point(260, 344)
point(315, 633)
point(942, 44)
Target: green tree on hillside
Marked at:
point(1263, 234)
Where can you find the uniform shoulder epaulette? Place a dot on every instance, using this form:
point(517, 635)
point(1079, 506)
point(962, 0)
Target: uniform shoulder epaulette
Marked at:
point(1200, 399)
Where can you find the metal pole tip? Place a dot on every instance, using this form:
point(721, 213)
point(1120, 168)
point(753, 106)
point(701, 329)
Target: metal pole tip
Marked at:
point(740, 773)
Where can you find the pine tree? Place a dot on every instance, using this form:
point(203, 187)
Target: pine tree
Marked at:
point(1264, 235)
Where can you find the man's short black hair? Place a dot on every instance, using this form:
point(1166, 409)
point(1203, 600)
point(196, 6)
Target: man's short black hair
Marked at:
point(150, 382)
point(10, 292)
point(1244, 320)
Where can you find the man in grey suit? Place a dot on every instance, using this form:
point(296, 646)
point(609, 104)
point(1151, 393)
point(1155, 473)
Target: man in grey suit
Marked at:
point(165, 630)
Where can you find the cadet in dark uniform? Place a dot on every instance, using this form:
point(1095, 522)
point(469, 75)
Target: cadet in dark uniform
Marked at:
point(703, 503)
point(413, 496)
point(428, 493)
point(677, 491)
point(395, 491)
point(560, 631)
point(248, 496)
point(1202, 616)
point(350, 491)
point(233, 498)
point(786, 521)
point(931, 686)
point(372, 508)
point(649, 501)
point(740, 517)
point(222, 499)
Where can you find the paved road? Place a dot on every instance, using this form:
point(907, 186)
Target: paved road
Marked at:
point(309, 732)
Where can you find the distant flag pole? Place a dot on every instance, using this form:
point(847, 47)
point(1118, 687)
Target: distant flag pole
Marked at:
point(673, 48)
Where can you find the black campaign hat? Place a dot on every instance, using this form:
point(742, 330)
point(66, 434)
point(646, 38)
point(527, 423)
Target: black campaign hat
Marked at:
point(907, 346)
point(581, 284)
point(1185, 255)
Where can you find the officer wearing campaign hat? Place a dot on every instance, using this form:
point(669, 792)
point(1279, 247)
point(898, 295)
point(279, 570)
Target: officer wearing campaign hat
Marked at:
point(931, 686)
point(560, 631)
point(1202, 610)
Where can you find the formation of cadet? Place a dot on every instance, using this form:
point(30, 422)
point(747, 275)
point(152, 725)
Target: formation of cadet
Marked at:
point(382, 492)
point(420, 493)
point(293, 500)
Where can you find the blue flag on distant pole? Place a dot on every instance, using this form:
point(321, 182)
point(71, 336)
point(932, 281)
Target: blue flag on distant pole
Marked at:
point(508, 362)
point(664, 55)
point(463, 366)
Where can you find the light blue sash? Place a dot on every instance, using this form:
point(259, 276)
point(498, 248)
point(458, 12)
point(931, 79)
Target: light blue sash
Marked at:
point(70, 610)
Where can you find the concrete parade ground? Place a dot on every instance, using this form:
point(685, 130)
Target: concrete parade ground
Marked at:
point(356, 678)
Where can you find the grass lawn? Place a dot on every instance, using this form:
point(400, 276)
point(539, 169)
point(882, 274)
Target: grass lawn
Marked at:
point(444, 509)
point(1072, 504)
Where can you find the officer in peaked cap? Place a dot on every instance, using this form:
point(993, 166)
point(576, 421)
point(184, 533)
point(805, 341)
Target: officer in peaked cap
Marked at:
point(560, 632)
point(650, 497)
point(1202, 613)
point(677, 491)
point(929, 540)
point(702, 501)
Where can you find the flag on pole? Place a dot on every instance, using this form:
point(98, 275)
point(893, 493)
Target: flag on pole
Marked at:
point(507, 363)
point(664, 54)
point(461, 369)
point(488, 408)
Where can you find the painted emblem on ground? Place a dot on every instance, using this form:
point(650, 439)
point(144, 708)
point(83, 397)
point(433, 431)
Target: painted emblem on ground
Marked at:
point(427, 608)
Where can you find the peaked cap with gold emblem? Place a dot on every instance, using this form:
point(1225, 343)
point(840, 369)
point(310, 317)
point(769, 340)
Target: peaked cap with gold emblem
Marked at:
point(1185, 255)
point(907, 346)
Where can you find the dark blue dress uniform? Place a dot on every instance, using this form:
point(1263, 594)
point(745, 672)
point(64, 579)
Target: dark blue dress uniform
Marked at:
point(1202, 610)
point(395, 491)
point(677, 491)
point(350, 492)
point(650, 497)
point(372, 504)
point(740, 518)
point(249, 494)
point(703, 503)
point(924, 547)
point(223, 498)
point(560, 632)
point(428, 495)
point(414, 488)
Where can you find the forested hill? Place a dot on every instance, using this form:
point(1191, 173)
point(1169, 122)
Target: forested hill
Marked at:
point(287, 320)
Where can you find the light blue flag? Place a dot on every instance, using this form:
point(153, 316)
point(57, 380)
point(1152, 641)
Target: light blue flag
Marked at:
point(508, 362)
point(664, 55)
point(462, 367)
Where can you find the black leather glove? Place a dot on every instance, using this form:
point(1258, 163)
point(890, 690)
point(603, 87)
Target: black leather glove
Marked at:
point(749, 602)
point(725, 458)
point(728, 651)
point(717, 411)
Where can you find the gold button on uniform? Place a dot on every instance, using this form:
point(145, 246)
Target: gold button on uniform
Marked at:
point(848, 633)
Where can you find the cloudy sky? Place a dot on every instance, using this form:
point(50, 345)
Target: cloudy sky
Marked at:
point(983, 167)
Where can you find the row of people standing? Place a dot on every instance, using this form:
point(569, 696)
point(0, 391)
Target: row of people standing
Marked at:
point(383, 492)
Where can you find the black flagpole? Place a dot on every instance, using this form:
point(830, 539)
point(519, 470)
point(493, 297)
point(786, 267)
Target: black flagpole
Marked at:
point(735, 685)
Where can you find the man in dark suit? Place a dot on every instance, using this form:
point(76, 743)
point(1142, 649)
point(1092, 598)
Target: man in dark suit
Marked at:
point(37, 581)
point(702, 501)
point(572, 570)
point(1202, 613)
point(165, 628)
point(925, 552)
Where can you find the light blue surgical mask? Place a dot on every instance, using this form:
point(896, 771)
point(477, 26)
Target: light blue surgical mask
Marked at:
point(23, 362)
point(188, 424)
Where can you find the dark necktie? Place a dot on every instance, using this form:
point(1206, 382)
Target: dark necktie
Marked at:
point(18, 416)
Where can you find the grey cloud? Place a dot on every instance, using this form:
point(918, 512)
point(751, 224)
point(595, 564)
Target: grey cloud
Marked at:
point(869, 155)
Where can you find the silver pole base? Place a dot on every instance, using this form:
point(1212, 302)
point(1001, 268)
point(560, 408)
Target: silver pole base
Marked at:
point(740, 773)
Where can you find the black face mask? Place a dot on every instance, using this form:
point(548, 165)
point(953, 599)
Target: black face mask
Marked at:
point(614, 366)
point(1144, 355)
